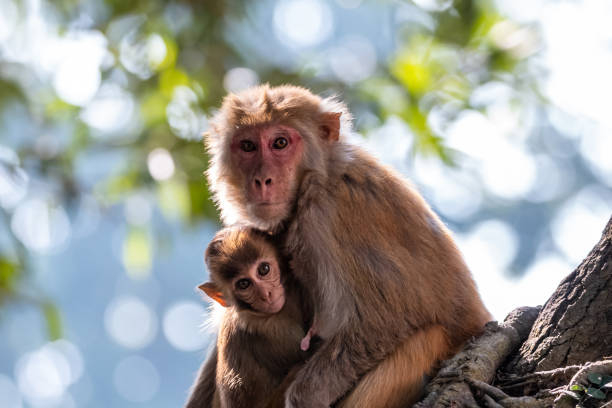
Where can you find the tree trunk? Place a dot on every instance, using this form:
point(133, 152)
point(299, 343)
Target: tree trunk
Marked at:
point(565, 361)
point(575, 325)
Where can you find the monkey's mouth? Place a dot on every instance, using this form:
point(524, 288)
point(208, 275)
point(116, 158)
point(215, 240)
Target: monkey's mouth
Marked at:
point(268, 209)
point(276, 305)
point(266, 204)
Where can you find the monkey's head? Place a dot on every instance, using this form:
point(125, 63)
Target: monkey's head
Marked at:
point(245, 271)
point(261, 143)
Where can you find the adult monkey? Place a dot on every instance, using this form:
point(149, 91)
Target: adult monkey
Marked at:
point(391, 293)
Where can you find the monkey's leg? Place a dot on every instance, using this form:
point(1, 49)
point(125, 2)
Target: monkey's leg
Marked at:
point(277, 398)
point(398, 381)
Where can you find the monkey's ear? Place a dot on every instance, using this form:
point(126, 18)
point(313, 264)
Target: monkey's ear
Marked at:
point(212, 290)
point(330, 126)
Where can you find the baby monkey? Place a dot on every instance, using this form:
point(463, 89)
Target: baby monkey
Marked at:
point(264, 331)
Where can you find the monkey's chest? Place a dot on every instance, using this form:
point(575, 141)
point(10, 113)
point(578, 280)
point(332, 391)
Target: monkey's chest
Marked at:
point(279, 350)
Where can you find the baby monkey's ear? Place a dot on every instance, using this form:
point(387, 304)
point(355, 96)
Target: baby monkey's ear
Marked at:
point(213, 291)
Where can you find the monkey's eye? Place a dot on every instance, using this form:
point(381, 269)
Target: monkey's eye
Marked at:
point(263, 269)
point(247, 146)
point(243, 284)
point(280, 143)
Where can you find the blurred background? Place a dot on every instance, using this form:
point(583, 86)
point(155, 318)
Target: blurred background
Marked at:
point(498, 111)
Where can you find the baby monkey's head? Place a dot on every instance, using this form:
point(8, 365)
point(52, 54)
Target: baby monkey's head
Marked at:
point(245, 271)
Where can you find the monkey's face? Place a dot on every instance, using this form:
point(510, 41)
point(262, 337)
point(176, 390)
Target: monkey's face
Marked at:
point(259, 285)
point(268, 159)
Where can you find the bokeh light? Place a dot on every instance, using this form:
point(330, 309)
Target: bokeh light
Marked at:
point(353, 60)
point(578, 224)
point(182, 322)
point(77, 77)
point(505, 166)
point(302, 23)
point(44, 374)
point(134, 49)
point(156, 50)
point(136, 379)
point(184, 117)
point(553, 180)
point(391, 142)
point(488, 250)
point(160, 164)
point(130, 322)
point(110, 111)
point(239, 78)
point(8, 19)
point(13, 179)
point(434, 5)
point(453, 193)
point(596, 148)
point(40, 225)
point(491, 242)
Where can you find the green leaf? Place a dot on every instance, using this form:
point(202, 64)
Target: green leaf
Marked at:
point(595, 378)
point(137, 253)
point(9, 272)
point(606, 379)
point(577, 387)
point(54, 321)
point(596, 393)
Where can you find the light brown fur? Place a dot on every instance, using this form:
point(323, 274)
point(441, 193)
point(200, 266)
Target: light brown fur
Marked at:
point(413, 358)
point(389, 288)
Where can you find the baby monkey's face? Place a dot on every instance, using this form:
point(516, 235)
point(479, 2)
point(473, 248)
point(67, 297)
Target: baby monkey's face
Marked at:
point(259, 284)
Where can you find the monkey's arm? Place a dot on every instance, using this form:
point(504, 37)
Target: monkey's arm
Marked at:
point(203, 389)
point(361, 323)
point(243, 381)
point(332, 371)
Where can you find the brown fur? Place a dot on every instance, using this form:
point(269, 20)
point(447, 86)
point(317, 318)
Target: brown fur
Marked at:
point(389, 287)
point(255, 351)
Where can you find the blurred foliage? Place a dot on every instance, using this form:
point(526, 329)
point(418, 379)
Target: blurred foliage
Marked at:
point(435, 67)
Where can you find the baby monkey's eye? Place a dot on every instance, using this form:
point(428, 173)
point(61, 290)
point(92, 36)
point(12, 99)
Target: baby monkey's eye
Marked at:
point(243, 284)
point(263, 269)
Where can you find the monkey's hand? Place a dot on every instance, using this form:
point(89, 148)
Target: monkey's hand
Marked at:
point(305, 343)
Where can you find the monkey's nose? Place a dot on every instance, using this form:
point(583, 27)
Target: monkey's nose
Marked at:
point(263, 187)
point(266, 182)
point(266, 296)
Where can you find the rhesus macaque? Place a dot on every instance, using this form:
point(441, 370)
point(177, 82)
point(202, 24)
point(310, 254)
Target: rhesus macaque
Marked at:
point(390, 290)
point(262, 328)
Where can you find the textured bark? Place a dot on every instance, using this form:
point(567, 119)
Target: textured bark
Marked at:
point(575, 325)
point(571, 337)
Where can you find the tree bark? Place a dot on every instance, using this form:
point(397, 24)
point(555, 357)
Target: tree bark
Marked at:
point(575, 324)
point(570, 341)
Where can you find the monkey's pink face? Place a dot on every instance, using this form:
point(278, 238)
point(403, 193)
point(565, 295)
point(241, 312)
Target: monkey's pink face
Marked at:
point(268, 159)
point(260, 286)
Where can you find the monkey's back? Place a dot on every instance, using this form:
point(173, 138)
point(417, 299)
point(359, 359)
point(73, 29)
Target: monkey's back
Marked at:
point(394, 258)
